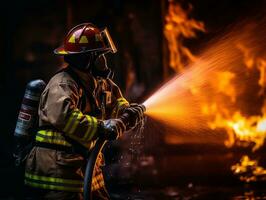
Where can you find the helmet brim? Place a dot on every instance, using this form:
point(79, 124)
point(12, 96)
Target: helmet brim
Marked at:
point(60, 51)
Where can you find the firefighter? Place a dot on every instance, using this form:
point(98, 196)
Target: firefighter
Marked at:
point(79, 105)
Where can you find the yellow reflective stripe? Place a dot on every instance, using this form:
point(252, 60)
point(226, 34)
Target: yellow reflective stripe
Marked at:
point(52, 137)
point(53, 183)
point(122, 101)
point(52, 179)
point(75, 124)
point(121, 104)
point(70, 120)
point(49, 133)
point(62, 52)
point(52, 141)
point(90, 125)
point(53, 187)
point(94, 127)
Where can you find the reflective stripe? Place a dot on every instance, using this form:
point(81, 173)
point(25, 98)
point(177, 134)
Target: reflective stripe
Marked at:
point(122, 101)
point(52, 187)
point(53, 180)
point(53, 183)
point(49, 133)
point(94, 125)
point(75, 123)
point(91, 128)
point(52, 137)
point(52, 141)
point(90, 121)
point(71, 120)
point(61, 184)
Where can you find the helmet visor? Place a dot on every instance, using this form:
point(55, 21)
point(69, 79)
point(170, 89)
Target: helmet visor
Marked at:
point(108, 40)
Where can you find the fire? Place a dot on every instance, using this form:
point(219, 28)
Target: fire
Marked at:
point(249, 170)
point(179, 25)
point(242, 129)
point(250, 128)
point(224, 89)
point(181, 102)
point(261, 66)
point(251, 61)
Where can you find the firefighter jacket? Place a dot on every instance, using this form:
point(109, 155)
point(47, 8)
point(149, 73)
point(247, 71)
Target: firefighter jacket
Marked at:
point(69, 111)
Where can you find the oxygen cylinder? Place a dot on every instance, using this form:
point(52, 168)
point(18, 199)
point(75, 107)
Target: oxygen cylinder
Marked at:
point(27, 119)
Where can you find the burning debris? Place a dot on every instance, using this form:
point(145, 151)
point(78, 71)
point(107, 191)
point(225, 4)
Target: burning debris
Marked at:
point(249, 170)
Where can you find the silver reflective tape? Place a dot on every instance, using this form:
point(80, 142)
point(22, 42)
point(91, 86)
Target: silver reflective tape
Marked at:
point(32, 96)
point(26, 107)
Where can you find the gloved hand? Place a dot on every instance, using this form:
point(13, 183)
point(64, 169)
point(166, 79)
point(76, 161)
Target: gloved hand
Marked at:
point(136, 113)
point(111, 129)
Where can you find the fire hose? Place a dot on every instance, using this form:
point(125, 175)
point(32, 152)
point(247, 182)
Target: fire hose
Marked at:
point(87, 192)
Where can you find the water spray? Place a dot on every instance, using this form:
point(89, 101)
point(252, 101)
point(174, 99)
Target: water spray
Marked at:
point(203, 89)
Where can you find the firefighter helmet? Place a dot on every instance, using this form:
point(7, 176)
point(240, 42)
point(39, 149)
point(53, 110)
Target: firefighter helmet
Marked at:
point(85, 38)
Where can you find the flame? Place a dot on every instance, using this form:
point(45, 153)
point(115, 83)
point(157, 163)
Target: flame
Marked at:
point(182, 101)
point(179, 25)
point(261, 66)
point(250, 128)
point(243, 129)
point(223, 90)
point(249, 170)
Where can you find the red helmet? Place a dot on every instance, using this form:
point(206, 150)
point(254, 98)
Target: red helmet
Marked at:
point(85, 38)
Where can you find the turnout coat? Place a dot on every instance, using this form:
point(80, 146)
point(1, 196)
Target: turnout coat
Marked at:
point(70, 108)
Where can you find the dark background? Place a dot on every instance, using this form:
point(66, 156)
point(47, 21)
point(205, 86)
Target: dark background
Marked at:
point(31, 30)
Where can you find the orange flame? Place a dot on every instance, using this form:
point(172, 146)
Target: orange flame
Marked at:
point(180, 102)
point(249, 170)
point(178, 25)
point(223, 89)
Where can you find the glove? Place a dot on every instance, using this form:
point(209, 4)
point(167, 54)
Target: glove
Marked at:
point(111, 129)
point(136, 113)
